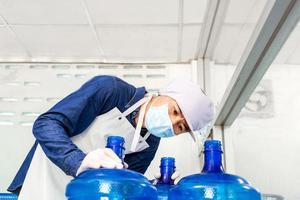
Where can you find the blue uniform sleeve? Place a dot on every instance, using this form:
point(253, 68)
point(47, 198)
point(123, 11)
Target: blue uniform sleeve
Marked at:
point(70, 117)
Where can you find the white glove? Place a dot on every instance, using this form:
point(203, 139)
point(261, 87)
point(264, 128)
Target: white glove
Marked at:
point(100, 158)
point(175, 176)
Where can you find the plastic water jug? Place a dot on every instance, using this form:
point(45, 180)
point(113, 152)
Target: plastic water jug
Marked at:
point(165, 183)
point(111, 184)
point(213, 183)
point(8, 196)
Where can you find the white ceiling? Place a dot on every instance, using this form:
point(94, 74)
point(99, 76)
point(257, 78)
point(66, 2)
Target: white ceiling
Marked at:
point(124, 30)
point(241, 19)
point(99, 30)
point(238, 25)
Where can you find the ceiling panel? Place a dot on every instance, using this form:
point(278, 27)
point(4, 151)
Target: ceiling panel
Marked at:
point(133, 11)
point(239, 24)
point(43, 12)
point(58, 41)
point(139, 44)
point(190, 39)
point(9, 47)
point(244, 11)
point(194, 11)
point(290, 52)
point(227, 41)
point(129, 30)
point(240, 43)
point(232, 43)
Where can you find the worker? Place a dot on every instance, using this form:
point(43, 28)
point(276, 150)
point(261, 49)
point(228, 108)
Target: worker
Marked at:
point(71, 136)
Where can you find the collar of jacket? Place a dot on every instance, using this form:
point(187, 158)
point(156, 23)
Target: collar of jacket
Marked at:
point(139, 94)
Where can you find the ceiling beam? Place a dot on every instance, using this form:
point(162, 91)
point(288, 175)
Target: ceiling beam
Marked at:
point(210, 31)
point(93, 29)
point(272, 30)
point(180, 30)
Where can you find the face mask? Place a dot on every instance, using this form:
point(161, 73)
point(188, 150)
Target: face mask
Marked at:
point(158, 122)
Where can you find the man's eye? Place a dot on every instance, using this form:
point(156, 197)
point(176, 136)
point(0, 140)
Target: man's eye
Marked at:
point(181, 127)
point(175, 112)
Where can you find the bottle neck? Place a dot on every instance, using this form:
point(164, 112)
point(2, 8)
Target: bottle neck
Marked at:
point(116, 143)
point(167, 168)
point(212, 157)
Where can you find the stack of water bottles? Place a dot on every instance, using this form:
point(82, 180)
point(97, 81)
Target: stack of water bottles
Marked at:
point(123, 184)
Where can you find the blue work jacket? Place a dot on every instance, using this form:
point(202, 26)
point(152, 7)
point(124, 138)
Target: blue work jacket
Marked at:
point(72, 115)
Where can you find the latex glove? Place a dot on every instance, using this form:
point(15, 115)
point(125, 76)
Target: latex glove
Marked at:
point(100, 158)
point(175, 176)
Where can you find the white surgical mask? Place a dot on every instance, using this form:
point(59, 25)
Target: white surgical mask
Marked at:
point(158, 122)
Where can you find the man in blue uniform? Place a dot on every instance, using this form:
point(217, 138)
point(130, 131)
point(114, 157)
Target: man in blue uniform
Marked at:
point(65, 134)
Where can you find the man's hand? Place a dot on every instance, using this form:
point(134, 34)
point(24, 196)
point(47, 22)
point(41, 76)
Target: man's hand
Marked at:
point(100, 158)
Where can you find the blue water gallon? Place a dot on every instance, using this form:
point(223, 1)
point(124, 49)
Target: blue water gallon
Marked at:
point(8, 196)
point(111, 184)
point(165, 183)
point(213, 183)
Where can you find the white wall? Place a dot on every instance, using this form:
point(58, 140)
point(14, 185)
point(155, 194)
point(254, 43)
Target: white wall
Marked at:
point(263, 145)
point(28, 90)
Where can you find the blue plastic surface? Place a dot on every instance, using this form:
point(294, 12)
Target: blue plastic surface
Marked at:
point(116, 143)
point(212, 157)
point(167, 168)
point(111, 184)
point(213, 183)
point(8, 196)
point(165, 183)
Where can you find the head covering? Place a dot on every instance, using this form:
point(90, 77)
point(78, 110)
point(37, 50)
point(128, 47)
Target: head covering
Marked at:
point(195, 106)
